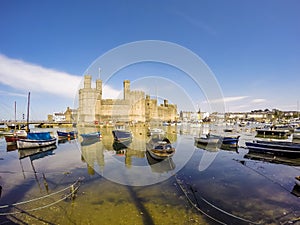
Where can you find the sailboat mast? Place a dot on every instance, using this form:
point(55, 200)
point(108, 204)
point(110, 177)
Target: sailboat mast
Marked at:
point(28, 104)
point(15, 111)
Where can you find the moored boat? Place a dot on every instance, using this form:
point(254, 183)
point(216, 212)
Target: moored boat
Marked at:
point(207, 140)
point(231, 141)
point(64, 134)
point(36, 140)
point(275, 147)
point(12, 137)
point(268, 132)
point(160, 149)
point(296, 134)
point(155, 131)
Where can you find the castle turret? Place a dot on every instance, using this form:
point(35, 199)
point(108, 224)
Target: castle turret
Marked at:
point(99, 89)
point(87, 81)
point(126, 86)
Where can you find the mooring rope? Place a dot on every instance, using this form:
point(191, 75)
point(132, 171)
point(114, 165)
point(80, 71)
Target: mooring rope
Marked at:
point(73, 191)
point(212, 205)
point(263, 175)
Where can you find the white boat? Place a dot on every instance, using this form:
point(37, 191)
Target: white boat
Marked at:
point(296, 134)
point(207, 140)
point(36, 140)
point(155, 131)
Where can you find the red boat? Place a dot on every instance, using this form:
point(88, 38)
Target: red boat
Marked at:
point(13, 137)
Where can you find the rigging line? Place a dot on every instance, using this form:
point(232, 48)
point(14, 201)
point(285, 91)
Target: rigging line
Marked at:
point(39, 198)
point(192, 203)
point(219, 209)
point(42, 207)
point(268, 178)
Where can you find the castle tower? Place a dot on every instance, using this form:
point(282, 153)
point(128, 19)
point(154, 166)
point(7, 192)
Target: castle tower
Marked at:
point(99, 89)
point(87, 101)
point(87, 81)
point(126, 86)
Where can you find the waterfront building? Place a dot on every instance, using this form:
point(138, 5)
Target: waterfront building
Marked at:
point(135, 106)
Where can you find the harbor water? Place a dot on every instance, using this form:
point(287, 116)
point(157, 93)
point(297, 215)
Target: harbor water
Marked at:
point(79, 182)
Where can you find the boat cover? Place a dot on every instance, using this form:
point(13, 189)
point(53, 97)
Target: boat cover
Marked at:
point(39, 136)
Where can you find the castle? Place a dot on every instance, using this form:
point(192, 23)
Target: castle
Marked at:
point(135, 106)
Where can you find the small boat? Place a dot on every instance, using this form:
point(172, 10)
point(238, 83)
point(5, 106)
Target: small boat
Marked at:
point(160, 149)
point(228, 130)
point(227, 140)
point(122, 136)
point(275, 147)
point(64, 134)
point(268, 132)
point(36, 140)
point(92, 135)
point(155, 131)
point(296, 134)
point(207, 140)
point(13, 136)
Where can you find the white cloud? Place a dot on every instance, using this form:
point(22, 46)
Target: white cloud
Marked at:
point(6, 93)
point(227, 99)
point(29, 77)
point(235, 98)
point(110, 93)
point(258, 100)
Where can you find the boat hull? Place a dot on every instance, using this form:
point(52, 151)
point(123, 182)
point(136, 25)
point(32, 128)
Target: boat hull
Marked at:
point(161, 155)
point(62, 134)
point(28, 143)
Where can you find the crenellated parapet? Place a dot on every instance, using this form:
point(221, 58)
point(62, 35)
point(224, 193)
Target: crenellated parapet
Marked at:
point(135, 105)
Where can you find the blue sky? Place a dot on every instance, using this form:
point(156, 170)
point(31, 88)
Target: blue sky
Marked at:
point(252, 47)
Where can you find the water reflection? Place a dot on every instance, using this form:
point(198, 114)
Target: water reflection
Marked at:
point(265, 157)
point(160, 166)
point(233, 189)
point(36, 153)
point(128, 163)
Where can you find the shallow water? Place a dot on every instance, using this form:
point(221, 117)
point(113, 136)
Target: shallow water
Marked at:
point(126, 187)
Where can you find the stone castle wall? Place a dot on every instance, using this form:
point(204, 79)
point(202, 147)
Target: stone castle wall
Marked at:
point(133, 107)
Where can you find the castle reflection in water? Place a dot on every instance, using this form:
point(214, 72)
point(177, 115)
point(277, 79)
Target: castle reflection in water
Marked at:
point(93, 152)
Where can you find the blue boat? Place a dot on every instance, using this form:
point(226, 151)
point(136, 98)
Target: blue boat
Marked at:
point(275, 147)
point(63, 134)
point(227, 140)
point(36, 140)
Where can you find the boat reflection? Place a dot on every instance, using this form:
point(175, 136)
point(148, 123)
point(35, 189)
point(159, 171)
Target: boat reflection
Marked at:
point(117, 146)
point(90, 141)
point(272, 158)
point(11, 147)
point(36, 153)
point(296, 190)
point(211, 147)
point(160, 166)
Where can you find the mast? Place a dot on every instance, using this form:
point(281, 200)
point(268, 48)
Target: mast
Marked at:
point(298, 108)
point(28, 104)
point(15, 111)
point(15, 115)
